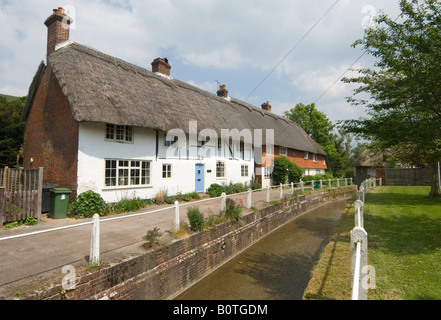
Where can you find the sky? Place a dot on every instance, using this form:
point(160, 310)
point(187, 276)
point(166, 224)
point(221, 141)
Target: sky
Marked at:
point(281, 51)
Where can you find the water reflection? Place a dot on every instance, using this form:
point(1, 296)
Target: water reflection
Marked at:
point(277, 267)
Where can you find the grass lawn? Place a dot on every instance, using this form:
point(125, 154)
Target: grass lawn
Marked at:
point(404, 245)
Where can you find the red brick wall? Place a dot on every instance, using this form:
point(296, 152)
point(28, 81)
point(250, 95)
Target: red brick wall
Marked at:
point(298, 157)
point(51, 135)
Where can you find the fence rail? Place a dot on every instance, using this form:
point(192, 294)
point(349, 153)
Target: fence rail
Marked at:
point(359, 244)
point(20, 194)
point(95, 242)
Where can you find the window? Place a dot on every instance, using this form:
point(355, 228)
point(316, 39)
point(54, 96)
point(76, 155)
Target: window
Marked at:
point(119, 133)
point(314, 157)
point(269, 149)
point(244, 171)
point(283, 151)
point(220, 169)
point(306, 156)
point(127, 173)
point(166, 171)
point(268, 172)
point(168, 143)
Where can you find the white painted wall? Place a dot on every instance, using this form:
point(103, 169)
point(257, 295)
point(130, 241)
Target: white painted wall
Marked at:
point(94, 149)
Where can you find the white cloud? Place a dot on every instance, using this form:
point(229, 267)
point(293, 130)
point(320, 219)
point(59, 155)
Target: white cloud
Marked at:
point(242, 39)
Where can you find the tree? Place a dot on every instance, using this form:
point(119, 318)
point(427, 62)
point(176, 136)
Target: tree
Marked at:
point(285, 171)
point(11, 131)
point(321, 129)
point(402, 93)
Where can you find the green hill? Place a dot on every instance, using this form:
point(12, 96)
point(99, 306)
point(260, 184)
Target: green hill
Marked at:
point(9, 98)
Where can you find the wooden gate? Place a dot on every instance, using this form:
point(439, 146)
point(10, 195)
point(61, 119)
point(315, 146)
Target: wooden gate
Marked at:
point(20, 194)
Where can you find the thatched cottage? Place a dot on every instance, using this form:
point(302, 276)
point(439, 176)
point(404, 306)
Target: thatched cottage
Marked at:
point(95, 122)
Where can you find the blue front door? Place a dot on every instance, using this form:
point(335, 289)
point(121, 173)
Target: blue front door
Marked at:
point(200, 178)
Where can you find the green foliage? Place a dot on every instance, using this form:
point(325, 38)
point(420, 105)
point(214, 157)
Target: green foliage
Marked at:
point(286, 171)
point(128, 205)
point(255, 185)
point(11, 131)
point(30, 221)
point(152, 237)
point(233, 210)
point(197, 221)
point(88, 203)
point(215, 190)
point(402, 93)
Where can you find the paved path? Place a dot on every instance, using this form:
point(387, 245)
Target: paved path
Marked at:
point(28, 260)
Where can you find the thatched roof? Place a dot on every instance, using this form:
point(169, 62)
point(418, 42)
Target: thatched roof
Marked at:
point(101, 88)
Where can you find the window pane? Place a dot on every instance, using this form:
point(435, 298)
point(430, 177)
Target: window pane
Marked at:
point(110, 129)
point(128, 134)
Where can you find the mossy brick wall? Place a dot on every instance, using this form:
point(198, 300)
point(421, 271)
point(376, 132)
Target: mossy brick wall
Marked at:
point(169, 270)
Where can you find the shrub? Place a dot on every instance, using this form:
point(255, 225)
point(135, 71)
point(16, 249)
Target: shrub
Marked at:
point(88, 203)
point(215, 190)
point(160, 198)
point(286, 171)
point(152, 237)
point(233, 210)
point(129, 205)
point(197, 221)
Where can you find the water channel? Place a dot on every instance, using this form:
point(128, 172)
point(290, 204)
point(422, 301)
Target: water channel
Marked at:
point(278, 267)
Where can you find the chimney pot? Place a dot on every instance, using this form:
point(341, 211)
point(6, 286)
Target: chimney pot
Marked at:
point(161, 65)
point(58, 29)
point(222, 92)
point(266, 106)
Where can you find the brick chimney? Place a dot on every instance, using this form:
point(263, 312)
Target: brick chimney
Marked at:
point(161, 65)
point(266, 106)
point(58, 27)
point(222, 92)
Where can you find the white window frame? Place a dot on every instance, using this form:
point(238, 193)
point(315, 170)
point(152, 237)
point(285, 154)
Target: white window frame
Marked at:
point(121, 134)
point(220, 168)
point(283, 151)
point(167, 171)
point(306, 155)
point(267, 172)
point(127, 173)
point(244, 170)
point(314, 157)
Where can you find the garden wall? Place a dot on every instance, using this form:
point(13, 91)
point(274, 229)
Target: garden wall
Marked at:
point(167, 271)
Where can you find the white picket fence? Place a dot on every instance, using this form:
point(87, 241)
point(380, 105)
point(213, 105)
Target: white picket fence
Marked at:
point(359, 244)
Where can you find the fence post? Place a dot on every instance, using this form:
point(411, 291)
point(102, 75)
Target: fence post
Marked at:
point(302, 186)
point(329, 183)
point(268, 194)
point(321, 184)
point(177, 220)
point(94, 257)
point(5, 177)
point(338, 183)
point(224, 202)
point(40, 193)
point(359, 218)
point(359, 262)
point(249, 200)
point(292, 187)
point(312, 185)
point(281, 191)
point(2, 206)
point(346, 181)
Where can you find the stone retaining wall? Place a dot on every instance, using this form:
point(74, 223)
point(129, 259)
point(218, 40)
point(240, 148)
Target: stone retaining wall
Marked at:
point(167, 271)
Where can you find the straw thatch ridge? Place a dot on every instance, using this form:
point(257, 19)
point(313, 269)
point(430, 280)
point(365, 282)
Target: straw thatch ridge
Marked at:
point(102, 88)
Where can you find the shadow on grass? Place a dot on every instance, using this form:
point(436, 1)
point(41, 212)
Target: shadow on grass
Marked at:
point(409, 223)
